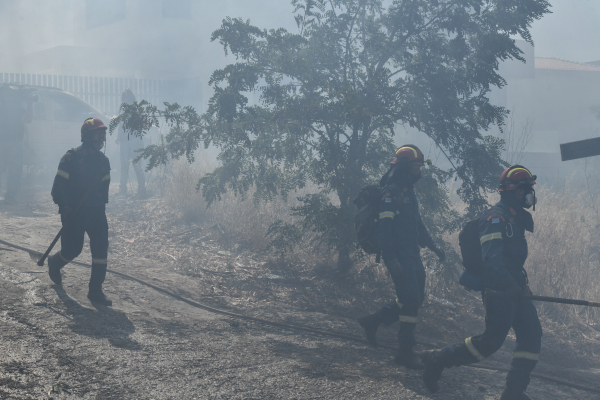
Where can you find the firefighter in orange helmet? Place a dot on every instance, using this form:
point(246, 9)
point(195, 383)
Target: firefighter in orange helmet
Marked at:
point(81, 171)
point(400, 234)
point(504, 251)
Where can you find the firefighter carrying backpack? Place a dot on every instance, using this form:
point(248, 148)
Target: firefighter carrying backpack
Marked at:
point(365, 220)
point(470, 246)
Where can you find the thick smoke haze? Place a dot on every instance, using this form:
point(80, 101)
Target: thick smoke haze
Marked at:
point(155, 39)
point(571, 32)
point(169, 41)
point(30, 26)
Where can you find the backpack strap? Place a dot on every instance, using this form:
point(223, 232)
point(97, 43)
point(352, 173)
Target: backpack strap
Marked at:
point(492, 209)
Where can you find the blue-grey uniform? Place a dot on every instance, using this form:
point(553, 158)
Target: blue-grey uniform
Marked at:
point(77, 171)
point(400, 232)
point(504, 249)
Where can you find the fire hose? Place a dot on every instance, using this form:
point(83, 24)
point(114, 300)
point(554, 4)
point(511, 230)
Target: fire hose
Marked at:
point(36, 255)
point(547, 299)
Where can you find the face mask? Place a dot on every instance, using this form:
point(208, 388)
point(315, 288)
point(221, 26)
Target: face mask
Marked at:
point(98, 145)
point(530, 199)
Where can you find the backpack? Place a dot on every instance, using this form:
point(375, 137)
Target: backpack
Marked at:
point(470, 246)
point(365, 220)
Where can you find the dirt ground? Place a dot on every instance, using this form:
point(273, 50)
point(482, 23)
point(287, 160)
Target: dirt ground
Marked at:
point(55, 344)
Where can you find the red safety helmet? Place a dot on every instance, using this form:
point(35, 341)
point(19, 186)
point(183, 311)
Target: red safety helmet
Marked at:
point(90, 125)
point(408, 153)
point(515, 176)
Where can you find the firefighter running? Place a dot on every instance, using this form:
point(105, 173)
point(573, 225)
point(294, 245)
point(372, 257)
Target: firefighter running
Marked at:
point(81, 170)
point(400, 232)
point(504, 250)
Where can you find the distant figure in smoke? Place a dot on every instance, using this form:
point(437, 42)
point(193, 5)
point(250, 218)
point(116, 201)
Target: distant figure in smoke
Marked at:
point(400, 232)
point(504, 251)
point(15, 111)
point(78, 170)
point(129, 144)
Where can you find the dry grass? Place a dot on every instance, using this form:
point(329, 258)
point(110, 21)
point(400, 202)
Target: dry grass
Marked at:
point(564, 256)
point(241, 222)
point(179, 193)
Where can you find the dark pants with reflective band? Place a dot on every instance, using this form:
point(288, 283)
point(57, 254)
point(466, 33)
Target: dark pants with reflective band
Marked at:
point(501, 315)
point(410, 292)
point(11, 161)
point(93, 221)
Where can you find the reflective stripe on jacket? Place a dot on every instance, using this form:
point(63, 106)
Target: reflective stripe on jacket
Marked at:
point(503, 247)
point(77, 170)
point(400, 228)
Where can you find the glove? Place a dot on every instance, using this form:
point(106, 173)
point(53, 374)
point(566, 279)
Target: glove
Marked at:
point(441, 254)
point(395, 269)
point(514, 292)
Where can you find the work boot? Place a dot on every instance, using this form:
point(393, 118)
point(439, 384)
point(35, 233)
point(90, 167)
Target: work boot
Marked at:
point(55, 263)
point(370, 323)
point(98, 297)
point(514, 394)
point(434, 365)
point(95, 293)
point(407, 357)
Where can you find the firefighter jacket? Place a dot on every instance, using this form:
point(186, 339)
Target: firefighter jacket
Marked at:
point(503, 245)
point(400, 229)
point(77, 172)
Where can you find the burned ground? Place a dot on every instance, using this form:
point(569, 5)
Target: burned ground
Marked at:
point(54, 343)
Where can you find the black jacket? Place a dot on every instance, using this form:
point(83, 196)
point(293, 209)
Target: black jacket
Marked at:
point(503, 245)
point(400, 229)
point(77, 171)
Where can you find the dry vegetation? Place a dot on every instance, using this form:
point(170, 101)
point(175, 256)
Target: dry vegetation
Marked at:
point(564, 256)
point(563, 262)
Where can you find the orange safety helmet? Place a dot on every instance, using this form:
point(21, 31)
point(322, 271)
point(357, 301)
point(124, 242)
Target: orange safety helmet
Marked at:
point(408, 153)
point(515, 176)
point(90, 125)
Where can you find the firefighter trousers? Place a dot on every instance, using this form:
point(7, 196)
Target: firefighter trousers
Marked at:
point(409, 283)
point(90, 220)
point(502, 314)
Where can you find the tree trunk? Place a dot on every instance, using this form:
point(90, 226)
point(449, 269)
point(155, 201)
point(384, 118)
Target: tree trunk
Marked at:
point(349, 186)
point(346, 234)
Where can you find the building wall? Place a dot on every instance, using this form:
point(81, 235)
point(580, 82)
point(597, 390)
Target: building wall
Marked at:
point(556, 104)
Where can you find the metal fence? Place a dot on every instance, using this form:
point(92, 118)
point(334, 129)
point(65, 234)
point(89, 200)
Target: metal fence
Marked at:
point(104, 94)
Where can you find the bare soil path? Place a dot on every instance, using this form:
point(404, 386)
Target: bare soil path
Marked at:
point(151, 346)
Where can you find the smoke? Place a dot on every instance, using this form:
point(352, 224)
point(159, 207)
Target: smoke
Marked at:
point(169, 40)
point(571, 32)
point(142, 39)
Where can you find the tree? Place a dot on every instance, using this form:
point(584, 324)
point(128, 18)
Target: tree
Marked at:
point(332, 95)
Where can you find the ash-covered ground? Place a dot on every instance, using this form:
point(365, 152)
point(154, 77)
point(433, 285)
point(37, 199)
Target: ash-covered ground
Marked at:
point(55, 344)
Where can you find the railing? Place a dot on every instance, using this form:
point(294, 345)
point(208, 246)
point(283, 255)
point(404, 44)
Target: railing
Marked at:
point(103, 94)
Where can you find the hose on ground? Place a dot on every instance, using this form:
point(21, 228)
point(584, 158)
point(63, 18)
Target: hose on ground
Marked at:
point(295, 326)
